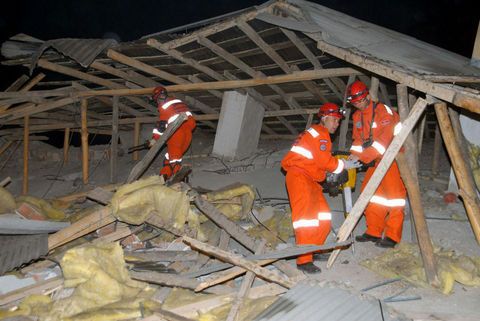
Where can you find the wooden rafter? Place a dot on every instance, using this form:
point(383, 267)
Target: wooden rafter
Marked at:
point(93, 79)
point(292, 103)
point(145, 120)
point(154, 71)
point(270, 52)
point(314, 61)
point(212, 73)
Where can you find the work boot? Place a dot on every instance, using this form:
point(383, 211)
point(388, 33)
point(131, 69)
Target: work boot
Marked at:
point(309, 268)
point(321, 256)
point(386, 242)
point(367, 238)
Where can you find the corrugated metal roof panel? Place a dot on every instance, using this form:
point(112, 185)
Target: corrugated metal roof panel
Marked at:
point(83, 51)
point(311, 302)
point(367, 39)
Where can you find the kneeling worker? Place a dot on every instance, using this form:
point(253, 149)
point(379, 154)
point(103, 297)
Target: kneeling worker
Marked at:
point(306, 165)
point(168, 110)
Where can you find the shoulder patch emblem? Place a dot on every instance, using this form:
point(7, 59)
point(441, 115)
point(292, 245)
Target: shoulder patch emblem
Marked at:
point(323, 141)
point(323, 147)
point(385, 122)
point(358, 124)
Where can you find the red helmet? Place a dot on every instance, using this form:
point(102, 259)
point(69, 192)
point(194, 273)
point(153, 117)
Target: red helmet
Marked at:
point(330, 109)
point(159, 93)
point(356, 91)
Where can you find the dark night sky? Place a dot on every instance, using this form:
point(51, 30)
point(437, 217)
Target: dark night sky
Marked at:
point(451, 24)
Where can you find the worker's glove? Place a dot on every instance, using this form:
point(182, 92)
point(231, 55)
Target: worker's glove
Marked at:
point(150, 143)
point(350, 163)
point(161, 126)
point(333, 182)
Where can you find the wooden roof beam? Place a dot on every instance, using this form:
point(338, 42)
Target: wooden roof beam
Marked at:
point(109, 102)
point(223, 85)
point(157, 72)
point(245, 68)
point(193, 63)
point(147, 119)
point(314, 61)
point(272, 53)
point(450, 93)
point(35, 80)
point(93, 79)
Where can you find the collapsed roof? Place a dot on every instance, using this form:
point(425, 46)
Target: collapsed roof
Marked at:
point(317, 49)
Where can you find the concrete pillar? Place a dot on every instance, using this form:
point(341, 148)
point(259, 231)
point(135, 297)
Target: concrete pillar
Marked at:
point(239, 126)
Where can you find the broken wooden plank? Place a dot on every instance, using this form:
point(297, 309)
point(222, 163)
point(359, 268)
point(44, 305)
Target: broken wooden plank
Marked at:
point(163, 255)
point(5, 181)
point(244, 288)
point(37, 288)
point(237, 260)
point(173, 280)
point(228, 274)
point(82, 227)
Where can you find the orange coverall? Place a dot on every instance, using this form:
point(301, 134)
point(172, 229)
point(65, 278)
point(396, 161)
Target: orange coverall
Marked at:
point(384, 213)
point(178, 143)
point(306, 165)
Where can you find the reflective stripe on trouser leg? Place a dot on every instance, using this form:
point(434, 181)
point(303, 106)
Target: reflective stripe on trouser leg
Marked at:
point(307, 201)
point(382, 216)
point(177, 145)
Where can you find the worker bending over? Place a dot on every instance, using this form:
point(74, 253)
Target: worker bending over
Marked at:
point(306, 165)
point(374, 125)
point(168, 110)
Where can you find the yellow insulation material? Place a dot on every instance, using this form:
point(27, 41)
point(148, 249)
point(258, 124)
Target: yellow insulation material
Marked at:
point(46, 208)
point(235, 201)
point(405, 261)
point(278, 227)
point(102, 291)
point(141, 198)
point(7, 201)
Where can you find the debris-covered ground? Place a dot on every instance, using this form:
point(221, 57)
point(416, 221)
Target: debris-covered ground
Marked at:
point(94, 283)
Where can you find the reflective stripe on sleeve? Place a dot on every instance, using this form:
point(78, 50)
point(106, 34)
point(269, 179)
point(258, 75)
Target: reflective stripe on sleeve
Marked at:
point(167, 156)
point(389, 110)
point(394, 202)
point(313, 132)
point(302, 151)
point(156, 132)
point(172, 119)
point(305, 223)
point(357, 148)
point(374, 125)
point(397, 129)
point(324, 216)
point(171, 102)
point(340, 167)
point(379, 147)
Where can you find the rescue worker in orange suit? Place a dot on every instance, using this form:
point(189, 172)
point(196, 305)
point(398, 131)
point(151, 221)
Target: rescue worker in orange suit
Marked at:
point(168, 110)
point(306, 165)
point(374, 126)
